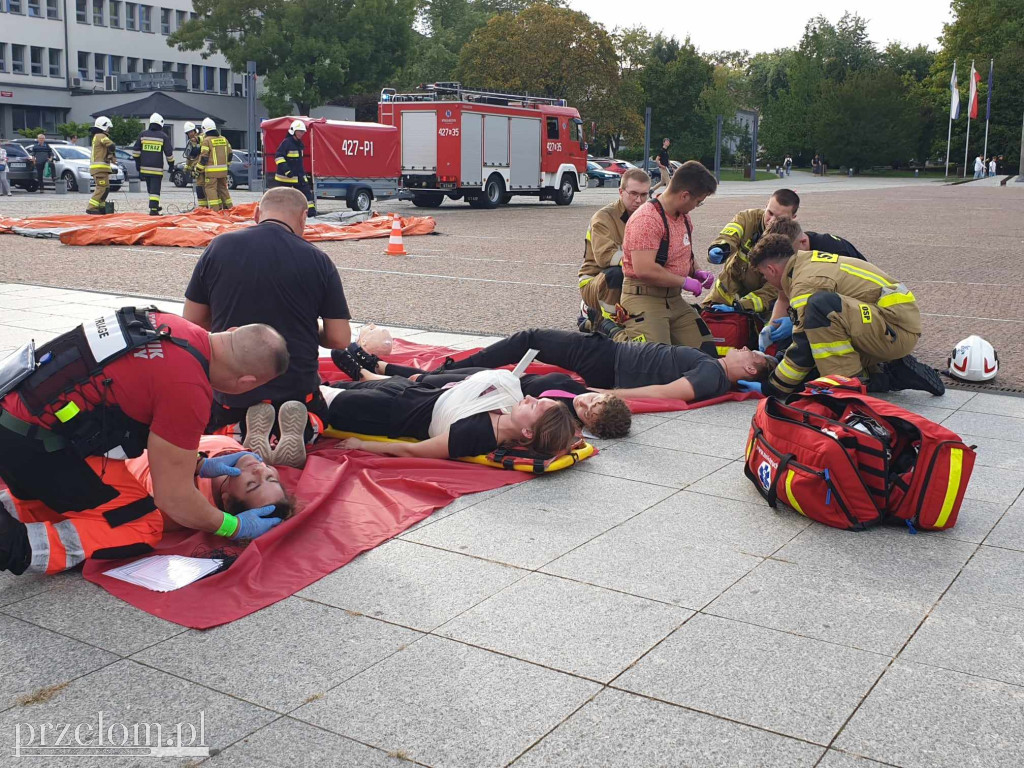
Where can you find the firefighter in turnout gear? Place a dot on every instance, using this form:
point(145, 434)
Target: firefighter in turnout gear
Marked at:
point(103, 156)
point(149, 152)
point(739, 284)
point(190, 159)
point(600, 277)
point(849, 319)
point(214, 157)
point(289, 161)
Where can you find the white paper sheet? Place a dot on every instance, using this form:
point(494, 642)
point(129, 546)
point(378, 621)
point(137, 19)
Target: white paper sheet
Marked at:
point(165, 573)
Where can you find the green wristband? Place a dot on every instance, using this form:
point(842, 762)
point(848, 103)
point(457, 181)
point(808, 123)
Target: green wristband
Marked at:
point(229, 527)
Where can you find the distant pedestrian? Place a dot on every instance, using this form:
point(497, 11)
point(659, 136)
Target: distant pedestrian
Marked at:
point(664, 166)
point(992, 166)
point(43, 155)
point(789, 164)
point(816, 164)
point(73, 140)
point(5, 187)
point(979, 168)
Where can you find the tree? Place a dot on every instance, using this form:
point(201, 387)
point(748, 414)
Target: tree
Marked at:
point(69, 129)
point(30, 133)
point(840, 49)
point(307, 52)
point(125, 130)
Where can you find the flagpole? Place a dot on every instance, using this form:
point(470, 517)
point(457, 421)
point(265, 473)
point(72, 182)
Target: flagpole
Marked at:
point(949, 133)
point(967, 144)
point(988, 113)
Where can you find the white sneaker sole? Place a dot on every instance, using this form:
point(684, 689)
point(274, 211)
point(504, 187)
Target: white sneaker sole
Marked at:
point(259, 420)
point(290, 450)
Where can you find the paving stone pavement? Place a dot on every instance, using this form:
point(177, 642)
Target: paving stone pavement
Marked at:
point(643, 609)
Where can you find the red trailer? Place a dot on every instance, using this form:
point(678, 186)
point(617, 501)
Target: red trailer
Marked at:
point(485, 146)
point(355, 162)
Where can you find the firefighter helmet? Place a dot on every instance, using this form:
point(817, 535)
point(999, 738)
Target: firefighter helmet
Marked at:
point(157, 118)
point(974, 359)
point(189, 126)
point(297, 125)
point(103, 123)
point(209, 125)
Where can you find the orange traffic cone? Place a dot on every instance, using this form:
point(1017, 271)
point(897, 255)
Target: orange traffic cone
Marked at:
point(395, 247)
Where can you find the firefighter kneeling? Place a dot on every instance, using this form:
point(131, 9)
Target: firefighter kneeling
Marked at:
point(849, 319)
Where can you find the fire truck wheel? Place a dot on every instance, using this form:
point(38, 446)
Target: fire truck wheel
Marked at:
point(566, 191)
point(428, 199)
point(506, 198)
point(493, 191)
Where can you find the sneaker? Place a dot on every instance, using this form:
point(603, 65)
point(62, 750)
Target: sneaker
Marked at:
point(584, 321)
point(259, 420)
point(445, 366)
point(290, 450)
point(910, 373)
point(364, 358)
point(347, 364)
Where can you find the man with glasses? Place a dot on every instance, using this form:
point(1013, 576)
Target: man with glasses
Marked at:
point(658, 265)
point(601, 274)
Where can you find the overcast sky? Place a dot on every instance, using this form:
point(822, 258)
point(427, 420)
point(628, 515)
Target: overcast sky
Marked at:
point(764, 25)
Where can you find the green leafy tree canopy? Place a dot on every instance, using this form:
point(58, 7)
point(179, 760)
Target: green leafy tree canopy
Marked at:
point(125, 130)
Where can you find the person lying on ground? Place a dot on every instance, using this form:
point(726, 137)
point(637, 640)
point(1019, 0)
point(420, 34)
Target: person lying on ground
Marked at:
point(659, 371)
point(472, 418)
point(603, 415)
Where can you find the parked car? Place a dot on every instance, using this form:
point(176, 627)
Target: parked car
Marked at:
point(21, 167)
point(71, 167)
point(238, 170)
point(613, 165)
point(127, 163)
point(600, 176)
point(29, 142)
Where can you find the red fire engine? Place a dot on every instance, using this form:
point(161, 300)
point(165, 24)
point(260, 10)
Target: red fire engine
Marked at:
point(485, 146)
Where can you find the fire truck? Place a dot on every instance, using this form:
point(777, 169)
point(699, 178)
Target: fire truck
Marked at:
point(485, 146)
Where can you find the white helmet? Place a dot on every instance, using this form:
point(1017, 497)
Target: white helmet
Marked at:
point(157, 118)
point(103, 123)
point(189, 126)
point(297, 125)
point(974, 359)
point(209, 125)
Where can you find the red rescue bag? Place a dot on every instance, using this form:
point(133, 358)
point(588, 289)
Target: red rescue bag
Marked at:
point(732, 330)
point(843, 458)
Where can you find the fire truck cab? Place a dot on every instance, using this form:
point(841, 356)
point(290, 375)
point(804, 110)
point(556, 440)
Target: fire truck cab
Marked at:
point(485, 146)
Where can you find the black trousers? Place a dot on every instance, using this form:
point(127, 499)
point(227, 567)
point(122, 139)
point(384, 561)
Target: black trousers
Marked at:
point(40, 171)
point(589, 355)
point(153, 184)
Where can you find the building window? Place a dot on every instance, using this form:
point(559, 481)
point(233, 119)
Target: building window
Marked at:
point(182, 71)
point(97, 12)
point(52, 9)
point(146, 18)
point(55, 62)
point(133, 64)
point(114, 12)
point(179, 19)
point(165, 21)
point(130, 16)
point(224, 74)
point(168, 66)
point(197, 77)
point(3, 57)
point(209, 78)
point(34, 8)
point(115, 65)
point(83, 65)
point(147, 65)
point(14, 6)
point(82, 11)
point(99, 66)
point(37, 60)
point(17, 59)
point(34, 117)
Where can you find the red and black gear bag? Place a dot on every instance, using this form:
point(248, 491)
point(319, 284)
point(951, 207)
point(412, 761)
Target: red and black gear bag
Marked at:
point(843, 458)
point(732, 330)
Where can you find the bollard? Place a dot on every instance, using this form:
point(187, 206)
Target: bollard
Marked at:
point(849, 172)
point(133, 185)
point(60, 187)
point(917, 173)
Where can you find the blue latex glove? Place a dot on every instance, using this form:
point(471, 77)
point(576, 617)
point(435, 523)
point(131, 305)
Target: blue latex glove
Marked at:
point(749, 386)
point(764, 339)
point(716, 255)
point(723, 307)
point(223, 466)
point(782, 328)
point(255, 522)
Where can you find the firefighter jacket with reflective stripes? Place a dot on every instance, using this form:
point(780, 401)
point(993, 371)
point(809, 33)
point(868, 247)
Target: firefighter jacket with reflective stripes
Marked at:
point(102, 154)
point(739, 283)
point(810, 272)
point(149, 152)
point(288, 159)
point(191, 155)
point(605, 234)
point(214, 156)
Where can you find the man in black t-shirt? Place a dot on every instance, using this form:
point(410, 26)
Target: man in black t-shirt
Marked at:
point(665, 167)
point(269, 274)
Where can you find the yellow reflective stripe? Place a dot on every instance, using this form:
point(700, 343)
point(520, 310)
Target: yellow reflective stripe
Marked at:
point(585, 280)
point(829, 381)
point(956, 468)
point(588, 234)
point(285, 179)
point(863, 274)
point(756, 300)
point(293, 154)
point(732, 229)
point(67, 413)
point(786, 371)
point(832, 349)
point(750, 446)
point(729, 298)
point(99, 166)
point(151, 172)
point(896, 298)
point(789, 493)
point(216, 168)
point(723, 350)
point(280, 160)
point(799, 301)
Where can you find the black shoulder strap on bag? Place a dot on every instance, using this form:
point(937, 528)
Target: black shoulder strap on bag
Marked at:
point(662, 257)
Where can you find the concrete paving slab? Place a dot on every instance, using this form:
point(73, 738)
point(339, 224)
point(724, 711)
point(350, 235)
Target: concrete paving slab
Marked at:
point(975, 520)
point(924, 717)
point(999, 486)
point(643, 463)
point(447, 704)
point(1002, 454)
point(564, 625)
point(784, 683)
point(725, 442)
point(993, 576)
point(280, 656)
point(730, 483)
point(735, 413)
point(620, 730)
point(871, 614)
point(461, 503)
point(836, 759)
point(1008, 532)
point(999, 405)
point(412, 585)
point(1001, 427)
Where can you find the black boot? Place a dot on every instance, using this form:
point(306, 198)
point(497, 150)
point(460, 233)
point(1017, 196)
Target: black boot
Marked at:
point(910, 373)
point(604, 326)
point(347, 364)
point(443, 367)
point(364, 358)
point(15, 551)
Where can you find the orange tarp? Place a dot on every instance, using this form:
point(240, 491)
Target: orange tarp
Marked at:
point(196, 228)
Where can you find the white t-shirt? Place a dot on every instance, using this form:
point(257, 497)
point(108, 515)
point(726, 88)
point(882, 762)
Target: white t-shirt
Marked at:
point(992, 166)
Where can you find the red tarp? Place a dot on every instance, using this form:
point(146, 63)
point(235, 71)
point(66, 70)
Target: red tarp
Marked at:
point(197, 228)
point(350, 501)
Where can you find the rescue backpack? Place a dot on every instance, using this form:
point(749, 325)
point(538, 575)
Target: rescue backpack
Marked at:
point(848, 460)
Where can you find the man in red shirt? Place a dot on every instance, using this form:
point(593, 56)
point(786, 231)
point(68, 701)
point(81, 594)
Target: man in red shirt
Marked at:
point(657, 264)
point(104, 392)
